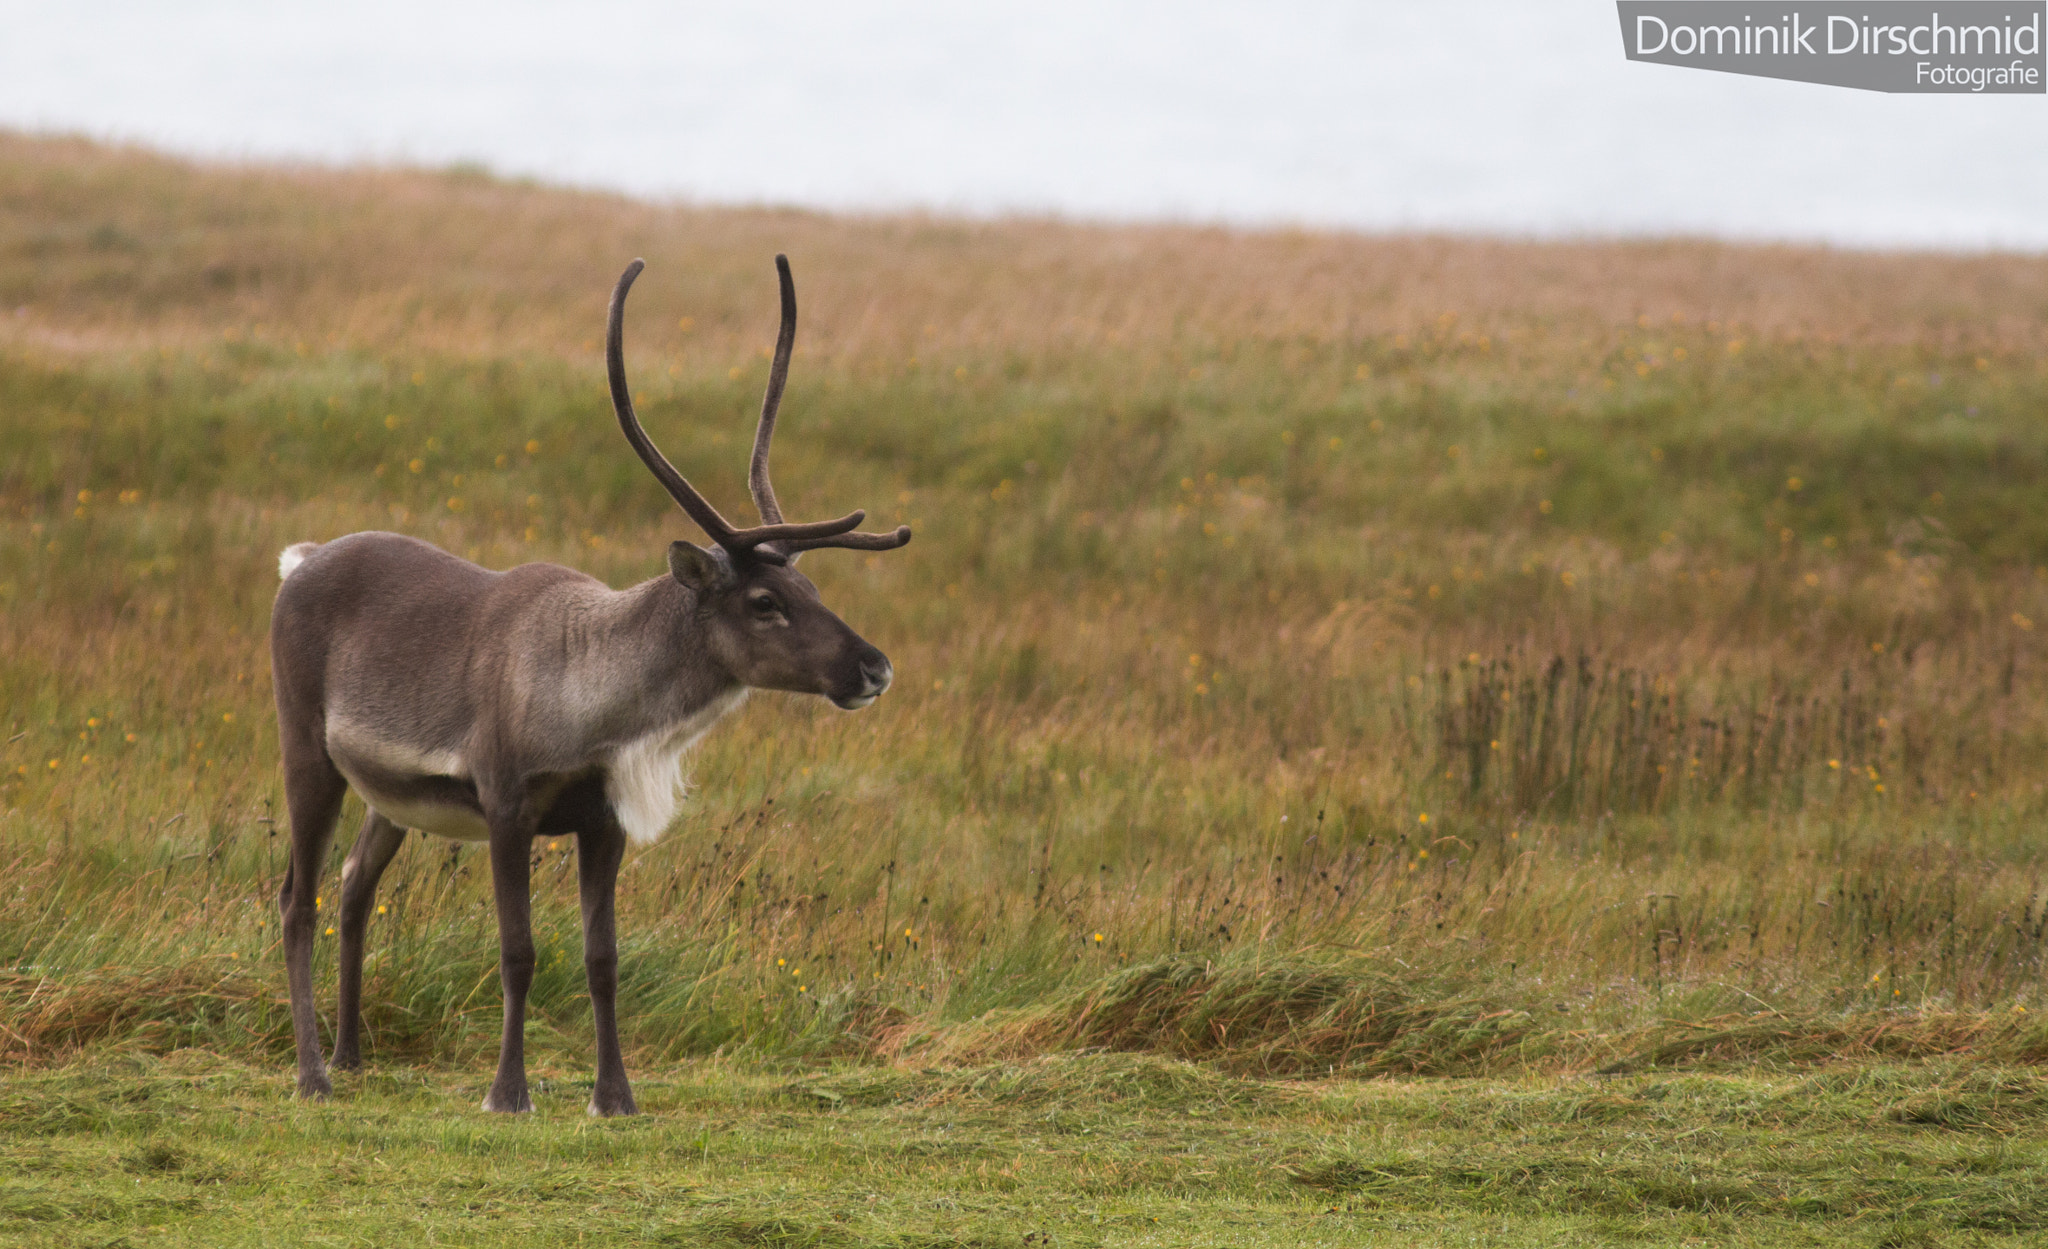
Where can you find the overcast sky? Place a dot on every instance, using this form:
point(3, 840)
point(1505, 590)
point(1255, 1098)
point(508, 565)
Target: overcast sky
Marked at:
point(1487, 116)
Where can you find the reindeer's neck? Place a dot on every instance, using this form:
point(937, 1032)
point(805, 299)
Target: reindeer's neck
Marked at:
point(637, 666)
point(656, 694)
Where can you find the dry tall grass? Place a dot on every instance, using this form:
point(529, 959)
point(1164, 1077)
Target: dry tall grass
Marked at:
point(1598, 632)
point(109, 246)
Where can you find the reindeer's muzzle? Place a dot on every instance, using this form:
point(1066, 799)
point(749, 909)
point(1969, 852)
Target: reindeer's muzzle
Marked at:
point(875, 673)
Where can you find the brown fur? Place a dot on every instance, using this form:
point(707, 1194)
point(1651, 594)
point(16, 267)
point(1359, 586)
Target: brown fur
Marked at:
point(501, 706)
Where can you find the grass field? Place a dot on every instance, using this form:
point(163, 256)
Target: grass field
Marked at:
point(1090, 1150)
point(1534, 673)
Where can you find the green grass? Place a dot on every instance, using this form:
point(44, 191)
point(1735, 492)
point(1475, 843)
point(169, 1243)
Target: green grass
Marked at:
point(1090, 1150)
point(1476, 665)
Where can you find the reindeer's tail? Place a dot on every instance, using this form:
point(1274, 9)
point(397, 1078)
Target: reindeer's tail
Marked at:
point(293, 556)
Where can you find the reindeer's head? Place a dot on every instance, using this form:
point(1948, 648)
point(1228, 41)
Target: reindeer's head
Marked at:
point(760, 617)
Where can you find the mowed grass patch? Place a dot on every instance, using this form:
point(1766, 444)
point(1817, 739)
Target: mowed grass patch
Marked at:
point(1103, 1150)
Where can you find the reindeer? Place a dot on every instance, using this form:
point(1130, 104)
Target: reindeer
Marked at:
point(497, 707)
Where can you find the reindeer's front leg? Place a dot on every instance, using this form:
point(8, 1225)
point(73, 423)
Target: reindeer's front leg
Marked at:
point(598, 853)
point(511, 843)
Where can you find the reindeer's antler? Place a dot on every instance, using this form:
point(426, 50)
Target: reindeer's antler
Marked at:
point(771, 402)
point(757, 474)
point(774, 542)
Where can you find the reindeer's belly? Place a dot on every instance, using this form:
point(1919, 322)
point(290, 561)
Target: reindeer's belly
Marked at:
point(431, 804)
point(429, 790)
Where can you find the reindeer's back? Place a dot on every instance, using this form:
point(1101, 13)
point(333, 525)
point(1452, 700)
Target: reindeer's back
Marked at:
point(384, 625)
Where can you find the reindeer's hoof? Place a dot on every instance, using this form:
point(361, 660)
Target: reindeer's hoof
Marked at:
point(509, 1101)
point(315, 1087)
point(610, 1105)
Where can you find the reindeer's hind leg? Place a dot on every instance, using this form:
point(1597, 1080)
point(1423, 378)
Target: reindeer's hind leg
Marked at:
point(313, 790)
point(378, 841)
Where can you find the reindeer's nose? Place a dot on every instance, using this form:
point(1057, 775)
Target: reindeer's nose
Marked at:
point(877, 672)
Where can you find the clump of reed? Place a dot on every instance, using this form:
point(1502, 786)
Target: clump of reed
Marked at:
point(1569, 737)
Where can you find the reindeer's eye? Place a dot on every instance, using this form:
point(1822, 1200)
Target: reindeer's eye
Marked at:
point(764, 604)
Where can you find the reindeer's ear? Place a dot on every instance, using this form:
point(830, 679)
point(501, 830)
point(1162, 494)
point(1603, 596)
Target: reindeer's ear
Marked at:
point(696, 567)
